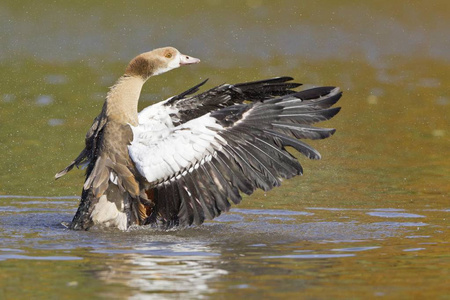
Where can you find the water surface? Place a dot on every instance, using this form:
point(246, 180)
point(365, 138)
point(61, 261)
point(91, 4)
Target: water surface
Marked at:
point(370, 220)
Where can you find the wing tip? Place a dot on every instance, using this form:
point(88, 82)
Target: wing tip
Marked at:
point(60, 174)
point(63, 172)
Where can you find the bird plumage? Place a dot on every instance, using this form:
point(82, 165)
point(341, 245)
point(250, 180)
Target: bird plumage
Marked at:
point(183, 160)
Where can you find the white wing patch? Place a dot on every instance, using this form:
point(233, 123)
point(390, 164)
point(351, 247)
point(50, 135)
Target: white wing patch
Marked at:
point(161, 151)
point(156, 117)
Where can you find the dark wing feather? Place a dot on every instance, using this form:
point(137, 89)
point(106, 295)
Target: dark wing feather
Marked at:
point(252, 152)
point(92, 140)
point(227, 95)
point(183, 95)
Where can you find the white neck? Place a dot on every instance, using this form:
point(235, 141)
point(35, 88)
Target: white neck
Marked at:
point(122, 100)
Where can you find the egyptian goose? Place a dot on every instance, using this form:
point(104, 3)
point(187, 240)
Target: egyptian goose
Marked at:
point(181, 161)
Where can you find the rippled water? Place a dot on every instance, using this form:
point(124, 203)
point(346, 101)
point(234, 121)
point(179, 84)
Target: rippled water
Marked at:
point(370, 220)
point(316, 252)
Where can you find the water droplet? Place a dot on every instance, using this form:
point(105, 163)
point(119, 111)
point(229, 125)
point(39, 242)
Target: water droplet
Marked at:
point(44, 100)
point(372, 99)
point(9, 98)
point(55, 79)
point(438, 133)
point(55, 122)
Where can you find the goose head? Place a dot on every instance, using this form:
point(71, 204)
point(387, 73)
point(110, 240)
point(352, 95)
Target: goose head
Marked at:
point(158, 61)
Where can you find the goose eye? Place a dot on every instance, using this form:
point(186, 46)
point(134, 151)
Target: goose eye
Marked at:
point(169, 55)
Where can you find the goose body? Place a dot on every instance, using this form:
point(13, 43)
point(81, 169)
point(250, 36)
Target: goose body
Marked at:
point(181, 161)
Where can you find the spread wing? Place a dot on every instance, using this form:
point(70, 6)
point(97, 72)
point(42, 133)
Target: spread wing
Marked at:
point(93, 136)
point(197, 167)
point(186, 106)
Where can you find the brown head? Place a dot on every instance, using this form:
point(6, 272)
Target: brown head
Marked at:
point(157, 62)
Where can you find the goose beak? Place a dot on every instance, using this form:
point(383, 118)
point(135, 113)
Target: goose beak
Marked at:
point(188, 60)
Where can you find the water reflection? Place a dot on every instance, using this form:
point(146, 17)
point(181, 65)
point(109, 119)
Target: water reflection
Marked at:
point(355, 249)
point(27, 257)
point(311, 256)
point(44, 100)
point(394, 215)
point(184, 275)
